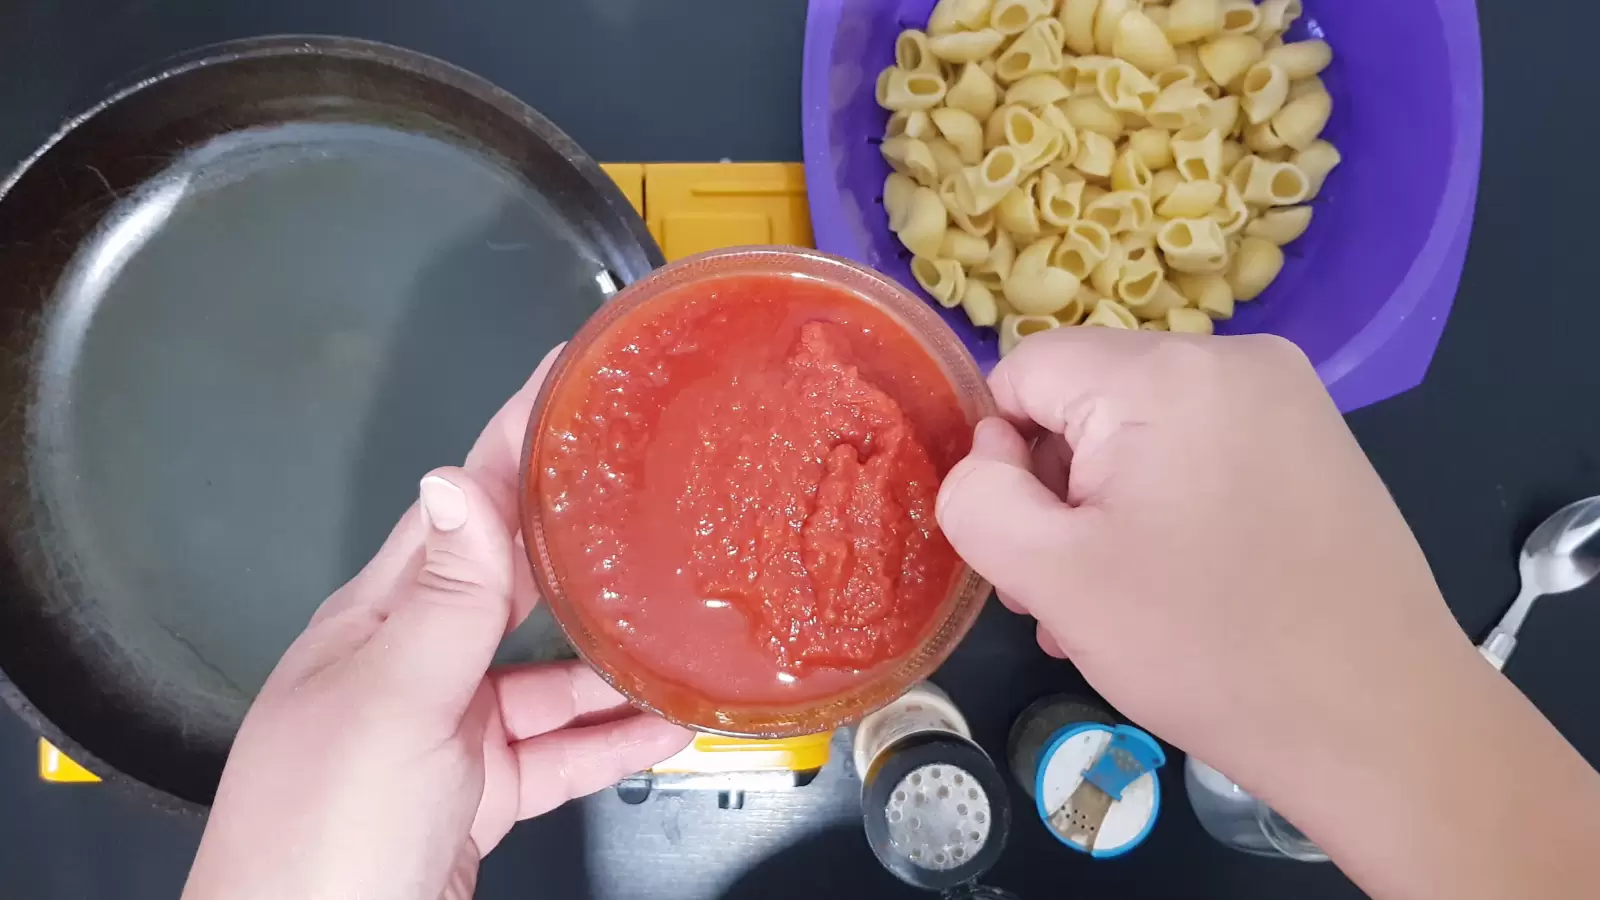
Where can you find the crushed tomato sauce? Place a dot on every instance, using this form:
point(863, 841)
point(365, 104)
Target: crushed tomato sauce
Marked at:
point(738, 483)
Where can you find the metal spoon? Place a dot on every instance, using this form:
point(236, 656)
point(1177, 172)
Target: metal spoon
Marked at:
point(1561, 555)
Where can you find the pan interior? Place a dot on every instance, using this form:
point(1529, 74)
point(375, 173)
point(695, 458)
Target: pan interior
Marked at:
point(239, 376)
point(259, 354)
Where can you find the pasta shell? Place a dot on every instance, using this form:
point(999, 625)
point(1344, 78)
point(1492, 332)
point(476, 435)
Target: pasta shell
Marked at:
point(1036, 51)
point(1036, 287)
point(1106, 20)
point(1077, 25)
point(1265, 91)
point(1240, 17)
point(946, 160)
point(901, 90)
point(1302, 59)
point(956, 15)
point(1037, 91)
point(1190, 199)
point(963, 130)
point(1059, 203)
point(1111, 314)
point(1182, 73)
point(979, 303)
point(1130, 173)
point(1014, 16)
point(1192, 20)
point(1197, 150)
point(897, 191)
point(1084, 246)
point(1126, 89)
point(1139, 281)
point(943, 279)
point(1121, 211)
point(1163, 185)
point(1014, 328)
point(1002, 253)
point(1210, 294)
point(1277, 16)
point(1018, 214)
point(1317, 161)
point(1096, 155)
point(1228, 57)
point(923, 230)
point(912, 53)
point(1280, 226)
point(1231, 215)
point(1254, 267)
point(992, 179)
point(1045, 292)
point(1139, 41)
point(1302, 120)
point(966, 46)
point(1179, 106)
point(1164, 299)
point(1189, 321)
point(910, 123)
point(974, 92)
point(913, 157)
point(1105, 275)
point(1091, 113)
point(966, 249)
point(1154, 146)
point(1194, 245)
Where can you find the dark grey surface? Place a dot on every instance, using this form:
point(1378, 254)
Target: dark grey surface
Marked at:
point(1502, 433)
point(693, 80)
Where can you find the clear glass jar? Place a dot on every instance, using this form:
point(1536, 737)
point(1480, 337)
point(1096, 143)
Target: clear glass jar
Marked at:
point(949, 623)
point(1237, 819)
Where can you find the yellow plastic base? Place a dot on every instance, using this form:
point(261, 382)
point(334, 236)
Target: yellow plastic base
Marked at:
point(55, 767)
point(689, 208)
point(694, 207)
point(714, 753)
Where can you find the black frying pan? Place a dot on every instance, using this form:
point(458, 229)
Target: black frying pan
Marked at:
point(247, 302)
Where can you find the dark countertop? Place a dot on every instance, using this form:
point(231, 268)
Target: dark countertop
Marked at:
point(1503, 432)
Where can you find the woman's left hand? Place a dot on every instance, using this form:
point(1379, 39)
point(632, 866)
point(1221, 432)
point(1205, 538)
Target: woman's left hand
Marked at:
point(382, 758)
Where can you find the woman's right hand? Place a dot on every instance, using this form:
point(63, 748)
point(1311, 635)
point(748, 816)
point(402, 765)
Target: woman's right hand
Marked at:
point(1196, 529)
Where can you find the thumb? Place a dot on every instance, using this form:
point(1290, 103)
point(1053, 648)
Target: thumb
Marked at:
point(442, 632)
point(1001, 519)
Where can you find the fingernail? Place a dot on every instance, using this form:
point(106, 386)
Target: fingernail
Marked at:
point(949, 489)
point(443, 504)
point(990, 437)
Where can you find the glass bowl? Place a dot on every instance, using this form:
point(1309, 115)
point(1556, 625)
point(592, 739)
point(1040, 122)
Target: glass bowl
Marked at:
point(651, 691)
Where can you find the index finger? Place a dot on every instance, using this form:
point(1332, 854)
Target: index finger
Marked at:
point(496, 458)
point(1056, 380)
point(573, 762)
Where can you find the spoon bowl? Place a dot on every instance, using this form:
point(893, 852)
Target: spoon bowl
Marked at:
point(1562, 554)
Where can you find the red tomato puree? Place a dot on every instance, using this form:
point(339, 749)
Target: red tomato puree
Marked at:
point(739, 482)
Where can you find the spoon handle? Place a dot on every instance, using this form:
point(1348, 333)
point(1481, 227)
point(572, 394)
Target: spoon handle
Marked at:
point(1503, 639)
point(1497, 649)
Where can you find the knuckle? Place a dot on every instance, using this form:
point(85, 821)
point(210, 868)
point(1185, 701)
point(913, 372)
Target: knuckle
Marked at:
point(1273, 351)
point(448, 573)
point(1187, 361)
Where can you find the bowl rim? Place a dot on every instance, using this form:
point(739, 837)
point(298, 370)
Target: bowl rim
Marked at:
point(969, 591)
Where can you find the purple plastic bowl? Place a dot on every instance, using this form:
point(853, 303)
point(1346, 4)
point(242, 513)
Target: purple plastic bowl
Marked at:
point(1365, 293)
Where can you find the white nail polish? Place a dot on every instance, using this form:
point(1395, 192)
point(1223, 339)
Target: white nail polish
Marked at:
point(443, 504)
